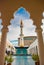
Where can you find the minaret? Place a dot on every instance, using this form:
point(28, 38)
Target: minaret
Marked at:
point(21, 35)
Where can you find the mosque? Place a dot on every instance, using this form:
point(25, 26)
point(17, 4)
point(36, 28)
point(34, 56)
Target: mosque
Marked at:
point(36, 8)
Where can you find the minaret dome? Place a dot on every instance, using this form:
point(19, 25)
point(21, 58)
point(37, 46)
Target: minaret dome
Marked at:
point(21, 24)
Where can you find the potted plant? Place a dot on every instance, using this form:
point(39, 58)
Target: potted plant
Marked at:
point(10, 60)
point(35, 57)
point(6, 59)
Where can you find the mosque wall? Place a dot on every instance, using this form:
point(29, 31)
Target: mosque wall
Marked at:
point(28, 40)
point(33, 48)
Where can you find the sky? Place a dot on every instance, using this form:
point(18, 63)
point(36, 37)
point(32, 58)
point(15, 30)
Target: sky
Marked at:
point(14, 28)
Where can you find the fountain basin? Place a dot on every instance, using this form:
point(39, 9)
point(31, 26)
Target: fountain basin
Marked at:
point(18, 47)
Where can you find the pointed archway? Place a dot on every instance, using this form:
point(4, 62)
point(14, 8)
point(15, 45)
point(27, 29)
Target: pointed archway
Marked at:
point(35, 8)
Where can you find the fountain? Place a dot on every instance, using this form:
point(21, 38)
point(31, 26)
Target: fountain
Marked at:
point(22, 57)
point(21, 45)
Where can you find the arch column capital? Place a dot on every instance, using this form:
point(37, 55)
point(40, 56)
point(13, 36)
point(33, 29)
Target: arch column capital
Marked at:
point(4, 29)
point(38, 29)
point(6, 18)
point(37, 23)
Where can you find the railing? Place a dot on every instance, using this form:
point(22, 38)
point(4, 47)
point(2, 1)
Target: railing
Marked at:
point(21, 54)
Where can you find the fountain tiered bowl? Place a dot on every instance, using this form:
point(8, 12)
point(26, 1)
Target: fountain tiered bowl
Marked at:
point(21, 47)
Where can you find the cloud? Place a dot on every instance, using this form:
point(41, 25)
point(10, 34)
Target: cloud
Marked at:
point(28, 30)
point(13, 33)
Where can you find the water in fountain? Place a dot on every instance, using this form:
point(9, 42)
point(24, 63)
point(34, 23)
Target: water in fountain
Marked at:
point(22, 59)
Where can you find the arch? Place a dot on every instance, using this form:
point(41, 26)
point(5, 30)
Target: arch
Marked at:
point(24, 23)
point(35, 7)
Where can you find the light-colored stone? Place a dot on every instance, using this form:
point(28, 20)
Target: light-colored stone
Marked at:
point(40, 45)
point(8, 7)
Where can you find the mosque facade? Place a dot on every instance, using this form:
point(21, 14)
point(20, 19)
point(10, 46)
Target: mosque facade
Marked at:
point(28, 40)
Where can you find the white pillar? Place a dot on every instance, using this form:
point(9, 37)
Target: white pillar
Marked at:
point(40, 45)
point(3, 45)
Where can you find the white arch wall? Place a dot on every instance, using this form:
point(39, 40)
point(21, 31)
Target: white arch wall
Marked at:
point(32, 48)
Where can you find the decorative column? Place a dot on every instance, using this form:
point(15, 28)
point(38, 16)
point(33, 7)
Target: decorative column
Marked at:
point(3, 44)
point(40, 42)
point(43, 21)
point(6, 17)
